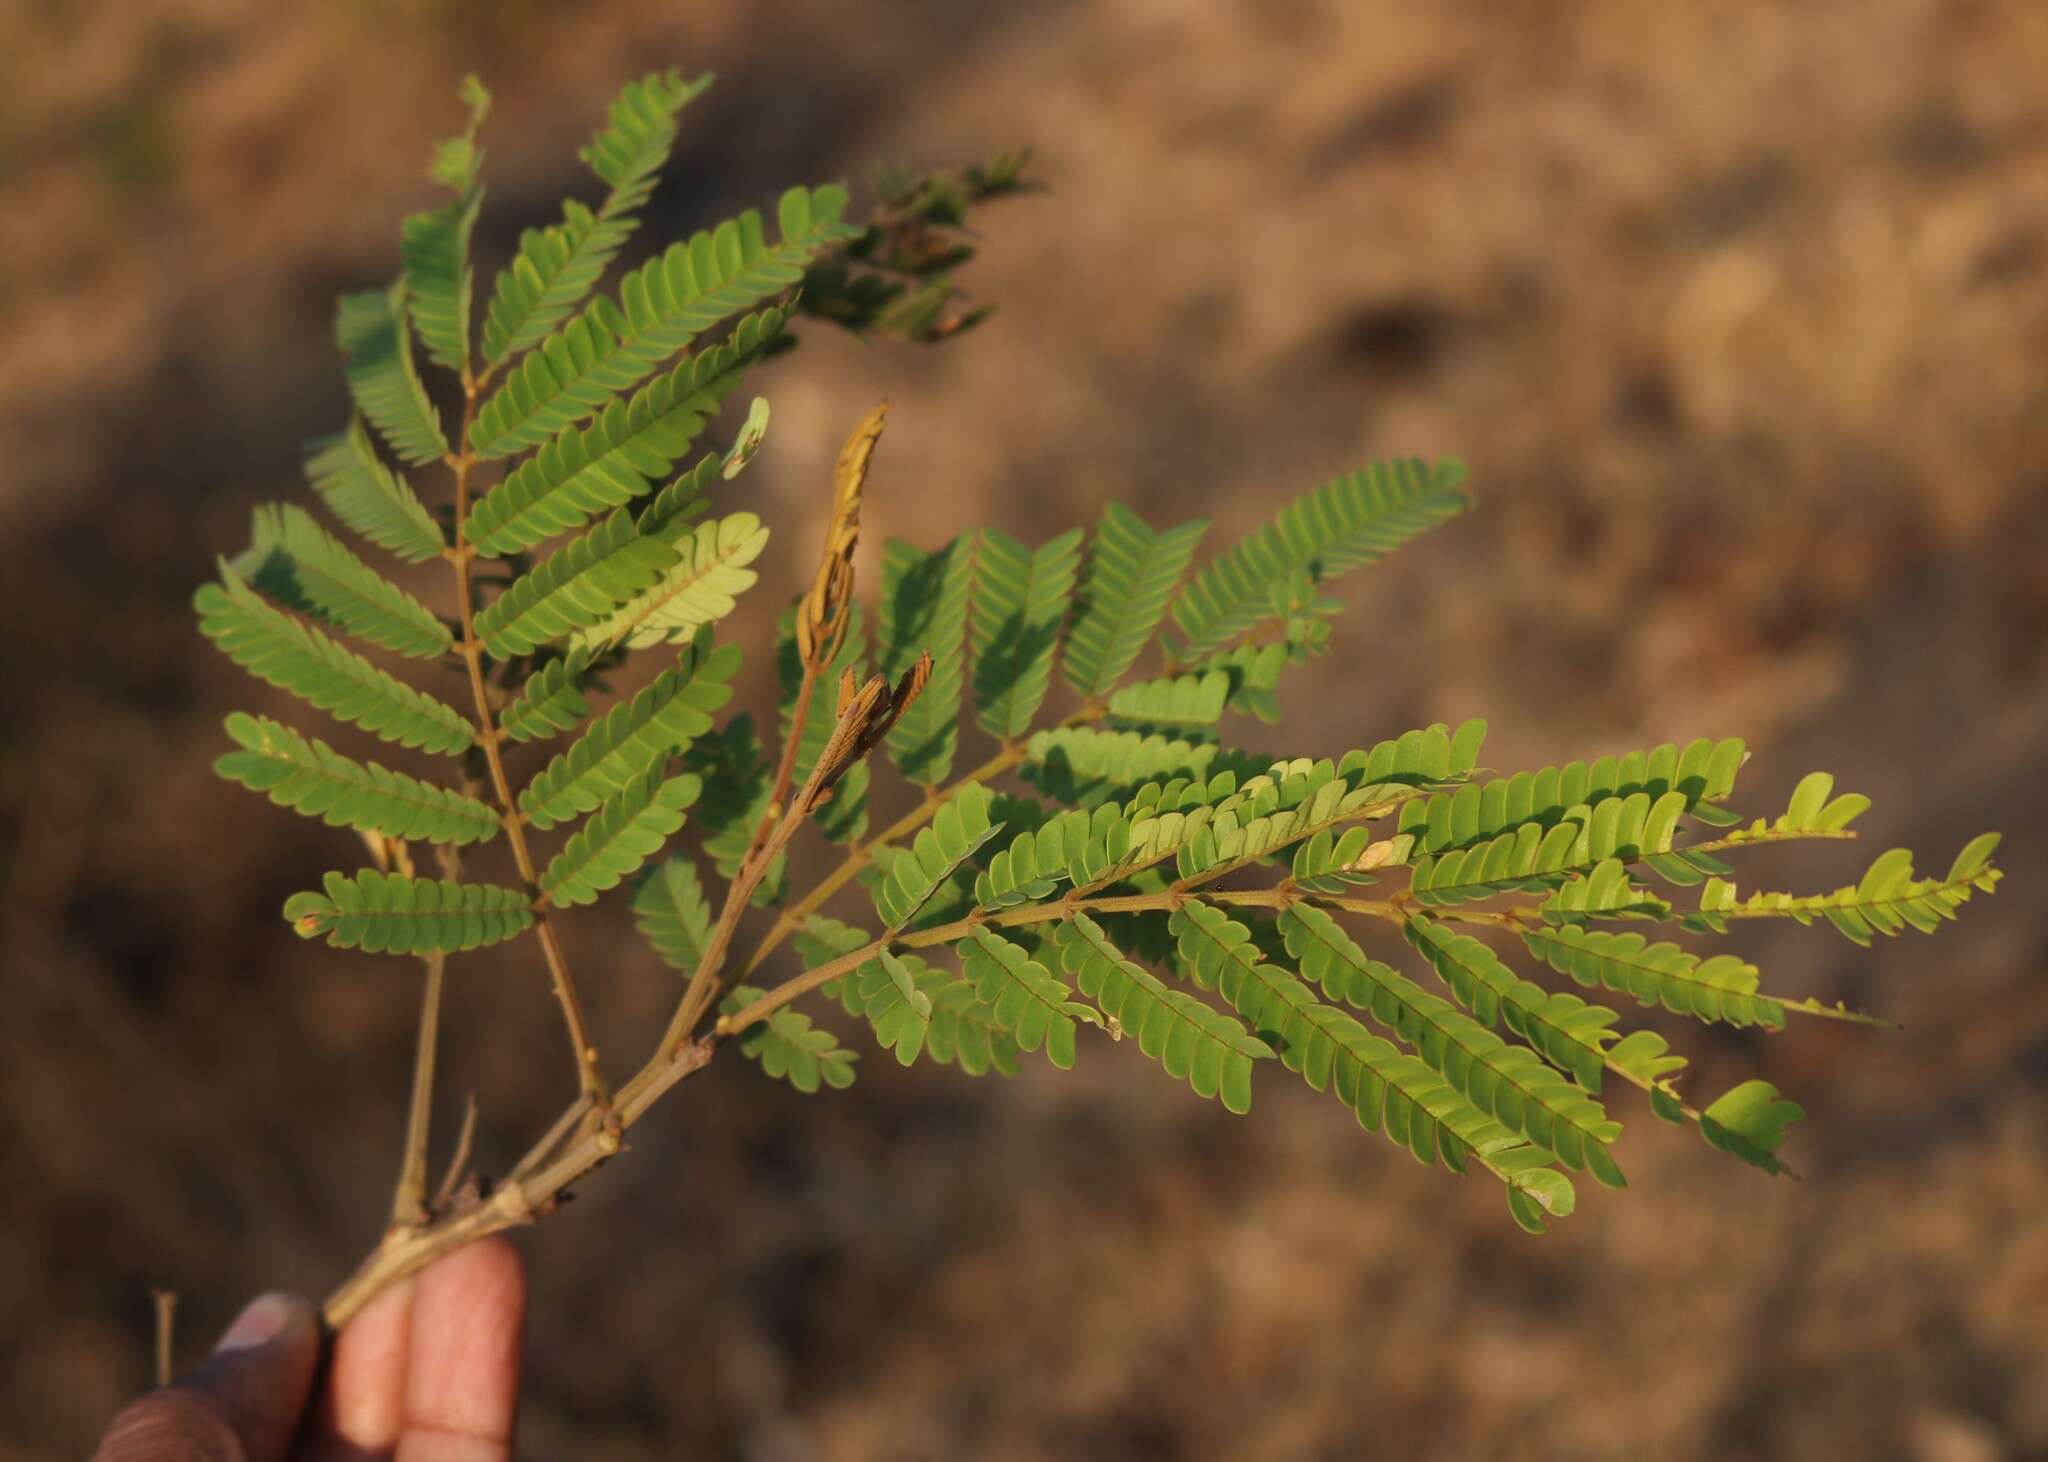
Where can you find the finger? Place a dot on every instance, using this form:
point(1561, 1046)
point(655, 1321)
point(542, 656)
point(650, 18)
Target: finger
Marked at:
point(363, 1402)
point(462, 1369)
point(244, 1403)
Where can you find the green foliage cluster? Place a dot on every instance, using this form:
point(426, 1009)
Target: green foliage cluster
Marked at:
point(1115, 872)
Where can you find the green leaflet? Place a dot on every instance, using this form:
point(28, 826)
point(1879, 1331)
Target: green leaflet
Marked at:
point(1020, 600)
point(371, 499)
point(1191, 704)
point(1346, 522)
point(697, 590)
point(617, 457)
point(625, 831)
point(1132, 573)
point(557, 266)
point(662, 306)
point(753, 431)
point(924, 607)
point(1888, 900)
point(552, 701)
point(1509, 1083)
point(1388, 1091)
point(634, 737)
point(389, 913)
point(1203, 1047)
point(845, 817)
point(276, 648)
point(311, 777)
point(789, 1048)
point(369, 326)
point(1085, 766)
point(435, 244)
point(585, 581)
point(956, 831)
point(673, 915)
point(297, 563)
point(1750, 1121)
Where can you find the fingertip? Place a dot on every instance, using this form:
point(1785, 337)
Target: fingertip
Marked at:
point(243, 1405)
point(171, 1422)
point(468, 1332)
point(264, 1319)
point(363, 1401)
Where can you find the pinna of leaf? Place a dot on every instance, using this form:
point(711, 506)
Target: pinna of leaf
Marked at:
point(1112, 874)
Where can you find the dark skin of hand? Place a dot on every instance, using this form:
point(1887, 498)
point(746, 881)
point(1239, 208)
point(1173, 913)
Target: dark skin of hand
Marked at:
point(428, 1372)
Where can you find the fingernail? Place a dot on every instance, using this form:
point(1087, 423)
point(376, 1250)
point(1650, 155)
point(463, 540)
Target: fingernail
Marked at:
point(258, 1324)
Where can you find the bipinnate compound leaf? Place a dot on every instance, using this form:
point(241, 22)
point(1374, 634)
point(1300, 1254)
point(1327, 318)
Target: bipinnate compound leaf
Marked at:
point(1188, 898)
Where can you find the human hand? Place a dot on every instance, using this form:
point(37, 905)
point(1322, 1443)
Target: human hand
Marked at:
point(429, 1369)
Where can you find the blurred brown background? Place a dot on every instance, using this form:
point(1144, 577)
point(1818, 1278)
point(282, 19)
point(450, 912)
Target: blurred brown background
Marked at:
point(1740, 313)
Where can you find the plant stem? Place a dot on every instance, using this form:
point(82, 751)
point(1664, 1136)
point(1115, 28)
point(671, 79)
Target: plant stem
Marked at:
point(768, 843)
point(165, 1302)
point(409, 1202)
point(785, 772)
point(514, 1202)
point(591, 1077)
point(458, 1163)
